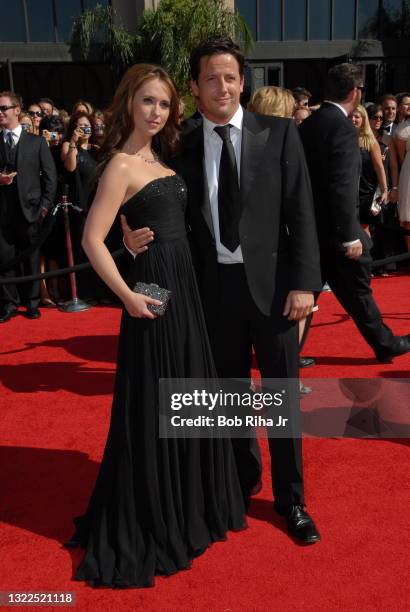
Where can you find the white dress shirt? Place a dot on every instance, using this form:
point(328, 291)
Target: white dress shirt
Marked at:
point(16, 134)
point(344, 111)
point(212, 151)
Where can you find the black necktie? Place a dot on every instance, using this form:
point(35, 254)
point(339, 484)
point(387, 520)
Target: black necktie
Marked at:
point(10, 140)
point(229, 207)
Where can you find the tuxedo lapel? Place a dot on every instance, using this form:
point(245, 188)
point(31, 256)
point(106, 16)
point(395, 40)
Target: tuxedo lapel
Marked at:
point(194, 161)
point(3, 155)
point(21, 148)
point(254, 141)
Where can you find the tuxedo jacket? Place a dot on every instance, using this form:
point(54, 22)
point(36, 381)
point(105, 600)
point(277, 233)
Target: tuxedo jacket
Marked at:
point(277, 225)
point(333, 156)
point(36, 179)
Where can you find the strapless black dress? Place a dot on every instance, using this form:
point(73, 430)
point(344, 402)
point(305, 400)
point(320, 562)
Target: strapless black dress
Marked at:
point(158, 503)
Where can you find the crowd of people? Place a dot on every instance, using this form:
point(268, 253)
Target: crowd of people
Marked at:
point(383, 129)
point(73, 141)
point(75, 138)
point(241, 216)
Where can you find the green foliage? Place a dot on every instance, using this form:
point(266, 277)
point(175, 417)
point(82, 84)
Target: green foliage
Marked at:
point(169, 34)
point(164, 36)
point(96, 36)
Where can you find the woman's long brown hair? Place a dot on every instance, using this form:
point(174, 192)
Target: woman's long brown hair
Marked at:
point(119, 119)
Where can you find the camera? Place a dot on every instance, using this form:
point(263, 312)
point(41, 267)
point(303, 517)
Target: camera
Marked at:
point(86, 130)
point(54, 136)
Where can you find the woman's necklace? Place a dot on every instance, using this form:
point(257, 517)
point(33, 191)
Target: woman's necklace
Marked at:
point(147, 160)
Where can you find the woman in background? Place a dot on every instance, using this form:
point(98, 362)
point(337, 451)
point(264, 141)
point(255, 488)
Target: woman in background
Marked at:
point(271, 100)
point(26, 122)
point(79, 160)
point(373, 176)
point(36, 115)
point(385, 238)
point(81, 106)
point(98, 128)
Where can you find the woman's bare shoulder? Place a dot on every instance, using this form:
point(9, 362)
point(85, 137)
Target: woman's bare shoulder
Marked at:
point(120, 161)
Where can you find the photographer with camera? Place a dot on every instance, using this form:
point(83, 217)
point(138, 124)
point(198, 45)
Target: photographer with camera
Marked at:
point(79, 160)
point(26, 122)
point(52, 129)
point(78, 157)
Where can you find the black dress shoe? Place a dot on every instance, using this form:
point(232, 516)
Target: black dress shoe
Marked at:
point(401, 347)
point(7, 313)
point(305, 362)
point(300, 524)
point(33, 313)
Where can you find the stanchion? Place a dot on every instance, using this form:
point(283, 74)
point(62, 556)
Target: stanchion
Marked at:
point(75, 304)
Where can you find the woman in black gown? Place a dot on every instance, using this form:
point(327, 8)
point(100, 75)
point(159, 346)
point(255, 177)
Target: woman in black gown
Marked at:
point(157, 503)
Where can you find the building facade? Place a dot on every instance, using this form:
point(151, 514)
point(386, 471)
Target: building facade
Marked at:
point(296, 41)
point(36, 59)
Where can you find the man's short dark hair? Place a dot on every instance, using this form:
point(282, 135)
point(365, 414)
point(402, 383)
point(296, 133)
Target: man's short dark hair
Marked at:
point(299, 93)
point(215, 45)
point(341, 79)
point(46, 101)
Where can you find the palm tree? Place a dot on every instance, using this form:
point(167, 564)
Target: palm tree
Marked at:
point(164, 36)
point(168, 34)
point(96, 36)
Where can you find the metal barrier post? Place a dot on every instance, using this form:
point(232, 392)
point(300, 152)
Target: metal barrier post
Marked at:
point(75, 304)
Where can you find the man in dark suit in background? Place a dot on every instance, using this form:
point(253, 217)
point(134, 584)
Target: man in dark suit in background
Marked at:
point(28, 185)
point(332, 152)
point(254, 244)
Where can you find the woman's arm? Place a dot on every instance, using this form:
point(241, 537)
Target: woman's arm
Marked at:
point(69, 155)
point(110, 194)
point(69, 151)
point(377, 162)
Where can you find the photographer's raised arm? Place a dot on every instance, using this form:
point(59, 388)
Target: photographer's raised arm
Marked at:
point(69, 151)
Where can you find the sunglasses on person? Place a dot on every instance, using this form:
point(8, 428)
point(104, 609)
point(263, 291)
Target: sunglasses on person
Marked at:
point(377, 117)
point(4, 109)
point(35, 113)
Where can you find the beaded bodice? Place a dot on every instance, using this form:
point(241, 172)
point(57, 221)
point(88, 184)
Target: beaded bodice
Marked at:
point(160, 205)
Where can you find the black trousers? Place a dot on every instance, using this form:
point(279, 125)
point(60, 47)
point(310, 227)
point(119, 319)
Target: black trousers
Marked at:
point(350, 282)
point(17, 234)
point(239, 326)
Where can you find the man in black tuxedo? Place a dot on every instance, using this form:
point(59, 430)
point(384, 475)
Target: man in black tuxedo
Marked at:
point(28, 185)
point(333, 157)
point(254, 245)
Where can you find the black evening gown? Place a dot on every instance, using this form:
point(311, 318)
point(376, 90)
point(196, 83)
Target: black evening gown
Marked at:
point(158, 503)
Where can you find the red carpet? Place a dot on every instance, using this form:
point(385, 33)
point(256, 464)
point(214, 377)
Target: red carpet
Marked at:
point(57, 376)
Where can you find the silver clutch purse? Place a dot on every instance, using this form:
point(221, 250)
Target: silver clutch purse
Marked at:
point(155, 292)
